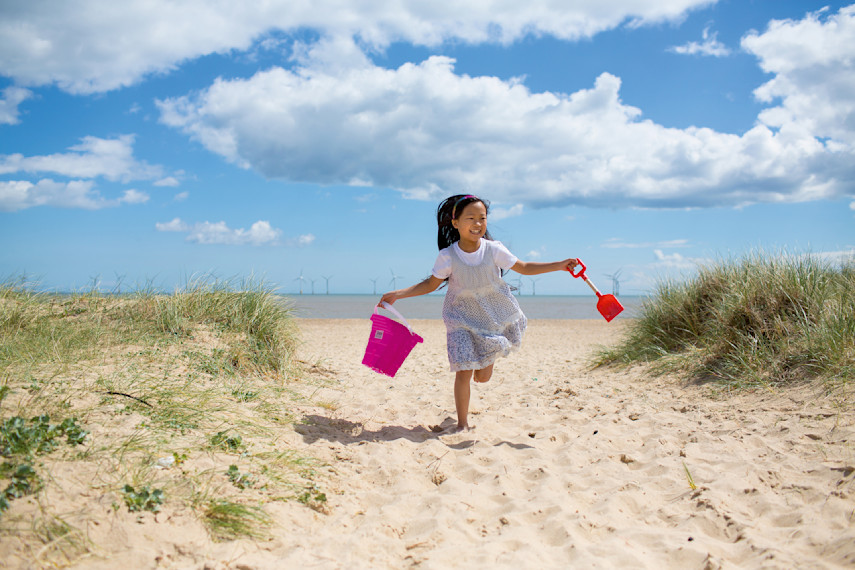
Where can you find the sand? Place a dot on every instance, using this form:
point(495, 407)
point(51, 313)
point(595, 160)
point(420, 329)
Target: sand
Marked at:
point(566, 466)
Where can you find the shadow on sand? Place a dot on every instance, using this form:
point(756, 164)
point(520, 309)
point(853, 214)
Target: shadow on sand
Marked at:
point(314, 428)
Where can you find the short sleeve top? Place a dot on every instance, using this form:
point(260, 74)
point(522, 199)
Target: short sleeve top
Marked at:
point(501, 255)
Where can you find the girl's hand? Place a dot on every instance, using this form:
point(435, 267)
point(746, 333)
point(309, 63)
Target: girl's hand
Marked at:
point(429, 285)
point(389, 297)
point(570, 264)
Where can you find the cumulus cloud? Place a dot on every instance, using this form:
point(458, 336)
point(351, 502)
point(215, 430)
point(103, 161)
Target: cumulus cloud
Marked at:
point(425, 130)
point(676, 260)
point(845, 256)
point(536, 254)
point(134, 197)
point(21, 194)
point(89, 46)
point(176, 225)
point(11, 98)
point(211, 233)
point(497, 214)
point(709, 46)
point(303, 240)
point(259, 233)
point(168, 181)
point(93, 157)
point(813, 63)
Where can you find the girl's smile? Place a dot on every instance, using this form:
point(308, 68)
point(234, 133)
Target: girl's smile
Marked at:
point(472, 225)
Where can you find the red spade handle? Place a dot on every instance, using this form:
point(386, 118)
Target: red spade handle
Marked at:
point(581, 273)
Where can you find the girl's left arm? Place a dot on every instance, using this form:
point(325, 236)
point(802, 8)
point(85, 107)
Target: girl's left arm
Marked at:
point(536, 267)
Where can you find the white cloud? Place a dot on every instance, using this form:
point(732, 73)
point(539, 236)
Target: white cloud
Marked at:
point(12, 97)
point(91, 46)
point(834, 257)
point(181, 196)
point(536, 254)
point(710, 46)
point(427, 131)
point(677, 261)
point(219, 233)
point(303, 240)
point(21, 194)
point(168, 181)
point(176, 225)
point(94, 157)
point(208, 233)
point(497, 214)
point(616, 243)
point(852, 205)
point(134, 197)
point(813, 63)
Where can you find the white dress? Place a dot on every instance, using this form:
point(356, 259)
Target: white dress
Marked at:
point(482, 318)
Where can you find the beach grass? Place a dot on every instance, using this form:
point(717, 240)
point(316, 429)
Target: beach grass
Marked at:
point(761, 320)
point(147, 399)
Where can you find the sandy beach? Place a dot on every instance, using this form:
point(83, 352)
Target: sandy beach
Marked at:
point(566, 467)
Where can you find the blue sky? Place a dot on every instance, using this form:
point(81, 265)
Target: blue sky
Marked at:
point(154, 142)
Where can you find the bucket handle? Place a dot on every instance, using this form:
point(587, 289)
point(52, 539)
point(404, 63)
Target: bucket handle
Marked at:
point(394, 311)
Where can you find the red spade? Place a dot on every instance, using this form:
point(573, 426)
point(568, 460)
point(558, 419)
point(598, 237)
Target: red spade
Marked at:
point(608, 305)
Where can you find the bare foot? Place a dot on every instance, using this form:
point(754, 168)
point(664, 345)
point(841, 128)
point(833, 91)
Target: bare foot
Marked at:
point(457, 429)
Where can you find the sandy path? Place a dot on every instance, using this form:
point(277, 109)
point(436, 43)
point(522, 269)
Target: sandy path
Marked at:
point(567, 467)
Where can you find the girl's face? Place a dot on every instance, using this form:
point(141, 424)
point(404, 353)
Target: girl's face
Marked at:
point(471, 224)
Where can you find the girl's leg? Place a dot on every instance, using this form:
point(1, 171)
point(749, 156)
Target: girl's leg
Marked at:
point(484, 374)
point(461, 397)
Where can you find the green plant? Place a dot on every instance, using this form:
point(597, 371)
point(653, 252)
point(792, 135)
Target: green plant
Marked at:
point(227, 520)
point(24, 481)
point(143, 499)
point(19, 437)
point(189, 361)
point(227, 442)
point(238, 479)
point(244, 395)
point(689, 477)
point(755, 321)
point(313, 498)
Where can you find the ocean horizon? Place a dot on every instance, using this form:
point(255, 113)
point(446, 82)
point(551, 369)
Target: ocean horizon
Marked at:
point(343, 306)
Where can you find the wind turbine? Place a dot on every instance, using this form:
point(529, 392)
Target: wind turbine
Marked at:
point(313, 285)
point(328, 282)
point(300, 279)
point(533, 288)
point(375, 284)
point(395, 277)
point(615, 282)
point(519, 286)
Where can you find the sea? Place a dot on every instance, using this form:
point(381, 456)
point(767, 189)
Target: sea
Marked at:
point(430, 306)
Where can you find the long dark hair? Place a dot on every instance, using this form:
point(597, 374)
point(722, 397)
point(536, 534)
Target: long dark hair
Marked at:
point(450, 209)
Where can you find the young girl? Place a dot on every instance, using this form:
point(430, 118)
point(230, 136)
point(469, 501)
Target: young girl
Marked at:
point(482, 318)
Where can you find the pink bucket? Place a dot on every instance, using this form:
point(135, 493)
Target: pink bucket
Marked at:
point(390, 342)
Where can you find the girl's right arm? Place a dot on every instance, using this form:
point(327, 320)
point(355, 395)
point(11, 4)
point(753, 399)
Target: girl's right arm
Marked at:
point(429, 285)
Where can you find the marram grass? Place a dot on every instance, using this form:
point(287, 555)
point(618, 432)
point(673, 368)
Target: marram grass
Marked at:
point(153, 379)
point(759, 320)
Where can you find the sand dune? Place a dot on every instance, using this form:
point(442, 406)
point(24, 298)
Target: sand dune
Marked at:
point(567, 466)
